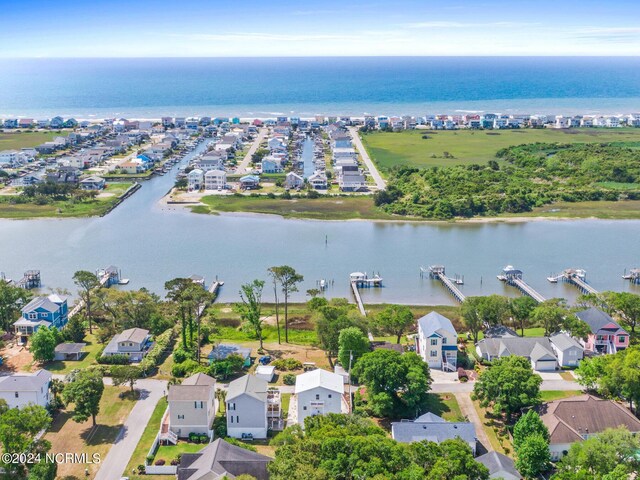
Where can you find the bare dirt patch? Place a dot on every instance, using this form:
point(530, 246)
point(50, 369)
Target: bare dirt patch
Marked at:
point(16, 359)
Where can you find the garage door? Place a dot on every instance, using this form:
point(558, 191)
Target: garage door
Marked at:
point(545, 365)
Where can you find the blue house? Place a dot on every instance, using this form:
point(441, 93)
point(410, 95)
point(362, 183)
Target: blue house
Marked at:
point(50, 311)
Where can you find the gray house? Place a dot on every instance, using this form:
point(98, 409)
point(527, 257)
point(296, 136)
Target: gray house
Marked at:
point(250, 407)
point(568, 349)
point(499, 466)
point(433, 428)
point(192, 407)
point(538, 350)
point(134, 342)
point(220, 460)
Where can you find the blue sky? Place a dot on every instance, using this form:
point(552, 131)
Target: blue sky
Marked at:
point(193, 28)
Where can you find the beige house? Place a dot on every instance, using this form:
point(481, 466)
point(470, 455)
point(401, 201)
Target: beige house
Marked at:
point(133, 342)
point(192, 408)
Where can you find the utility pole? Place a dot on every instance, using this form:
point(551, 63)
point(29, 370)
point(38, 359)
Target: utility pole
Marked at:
point(349, 377)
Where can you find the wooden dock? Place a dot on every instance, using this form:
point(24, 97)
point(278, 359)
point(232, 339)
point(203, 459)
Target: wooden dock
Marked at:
point(107, 277)
point(576, 277)
point(633, 276)
point(512, 276)
point(30, 279)
point(356, 295)
point(437, 272)
point(214, 288)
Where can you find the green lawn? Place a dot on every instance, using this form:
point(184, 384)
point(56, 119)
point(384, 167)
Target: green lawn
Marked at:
point(621, 210)
point(285, 400)
point(444, 405)
point(551, 395)
point(475, 146)
point(64, 367)
point(18, 140)
point(62, 209)
point(169, 452)
point(140, 453)
point(323, 208)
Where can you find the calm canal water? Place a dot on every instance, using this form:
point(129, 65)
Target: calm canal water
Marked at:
point(152, 243)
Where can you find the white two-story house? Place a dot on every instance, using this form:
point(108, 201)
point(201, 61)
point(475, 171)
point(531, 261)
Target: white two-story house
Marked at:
point(319, 392)
point(22, 389)
point(192, 407)
point(251, 405)
point(437, 341)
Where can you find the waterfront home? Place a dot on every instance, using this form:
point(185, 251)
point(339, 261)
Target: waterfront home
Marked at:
point(250, 406)
point(538, 350)
point(133, 342)
point(192, 408)
point(319, 392)
point(92, 183)
point(500, 466)
point(22, 389)
point(132, 167)
point(211, 161)
point(223, 350)
point(318, 180)
point(575, 419)
point(69, 351)
point(437, 342)
point(12, 158)
point(195, 179)
point(50, 311)
point(352, 182)
point(271, 164)
point(215, 180)
point(293, 180)
point(26, 123)
point(433, 428)
point(567, 349)
point(249, 182)
point(220, 460)
point(606, 335)
point(276, 144)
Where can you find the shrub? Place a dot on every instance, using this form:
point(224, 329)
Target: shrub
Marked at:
point(204, 438)
point(238, 443)
point(289, 379)
point(180, 355)
point(118, 359)
point(185, 368)
point(220, 427)
point(149, 459)
point(286, 364)
point(176, 461)
point(160, 462)
point(158, 352)
point(142, 469)
point(462, 375)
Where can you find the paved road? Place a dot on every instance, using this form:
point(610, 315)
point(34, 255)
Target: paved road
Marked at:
point(457, 387)
point(242, 167)
point(380, 182)
point(469, 411)
point(120, 453)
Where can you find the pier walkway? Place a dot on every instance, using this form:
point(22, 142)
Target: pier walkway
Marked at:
point(577, 277)
point(437, 272)
point(513, 276)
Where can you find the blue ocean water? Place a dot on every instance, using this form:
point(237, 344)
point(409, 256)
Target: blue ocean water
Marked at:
point(151, 87)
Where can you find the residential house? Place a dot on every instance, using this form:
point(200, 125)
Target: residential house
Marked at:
point(538, 350)
point(92, 183)
point(50, 311)
point(433, 428)
point(69, 351)
point(195, 179)
point(215, 180)
point(352, 182)
point(192, 406)
point(249, 182)
point(500, 466)
point(266, 372)
point(250, 407)
point(319, 392)
point(133, 342)
point(22, 389)
point(223, 350)
point(12, 158)
point(574, 419)
point(567, 349)
point(606, 335)
point(318, 180)
point(437, 341)
point(293, 180)
point(271, 164)
point(221, 460)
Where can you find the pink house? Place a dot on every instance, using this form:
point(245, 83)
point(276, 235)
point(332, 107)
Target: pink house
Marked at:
point(606, 335)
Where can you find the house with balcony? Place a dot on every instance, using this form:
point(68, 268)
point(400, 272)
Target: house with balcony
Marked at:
point(252, 408)
point(437, 342)
point(606, 335)
point(133, 342)
point(50, 311)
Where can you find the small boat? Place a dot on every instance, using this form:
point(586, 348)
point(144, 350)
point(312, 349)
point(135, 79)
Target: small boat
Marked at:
point(323, 284)
point(124, 281)
point(552, 279)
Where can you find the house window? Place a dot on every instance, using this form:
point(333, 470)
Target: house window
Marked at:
point(231, 406)
point(237, 419)
point(304, 408)
point(621, 338)
point(33, 316)
point(434, 353)
point(231, 418)
point(180, 417)
point(17, 394)
point(329, 395)
point(434, 341)
point(444, 341)
point(317, 396)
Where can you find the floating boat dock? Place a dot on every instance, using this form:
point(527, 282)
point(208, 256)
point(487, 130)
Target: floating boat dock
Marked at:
point(577, 277)
point(512, 276)
point(30, 279)
point(358, 280)
point(633, 276)
point(109, 276)
point(437, 272)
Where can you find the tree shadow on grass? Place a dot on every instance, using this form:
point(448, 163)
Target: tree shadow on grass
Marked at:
point(102, 434)
point(59, 421)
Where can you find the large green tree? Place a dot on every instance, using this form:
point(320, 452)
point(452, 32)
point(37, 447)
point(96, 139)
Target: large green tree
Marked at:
point(397, 384)
point(521, 308)
point(550, 315)
point(12, 299)
point(352, 344)
point(331, 318)
point(481, 312)
point(125, 375)
point(87, 283)
point(74, 330)
point(85, 392)
point(532, 457)
point(18, 429)
point(190, 299)
point(508, 386)
point(529, 424)
point(43, 343)
point(250, 308)
point(395, 320)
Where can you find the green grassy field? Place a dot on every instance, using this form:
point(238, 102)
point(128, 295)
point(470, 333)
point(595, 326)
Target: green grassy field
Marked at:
point(61, 209)
point(326, 208)
point(18, 140)
point(64, 367)
point(621, 210)
point(475, 146)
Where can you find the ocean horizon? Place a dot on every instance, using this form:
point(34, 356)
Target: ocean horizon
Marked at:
point(306, 86)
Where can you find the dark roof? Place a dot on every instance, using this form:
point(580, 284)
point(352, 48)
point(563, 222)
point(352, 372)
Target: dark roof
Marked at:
point(68, 348)
point(499, 331)
point(223, 350)
point(499, 465)
point(220, 458)
point(570, 418)
point(598, 320)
